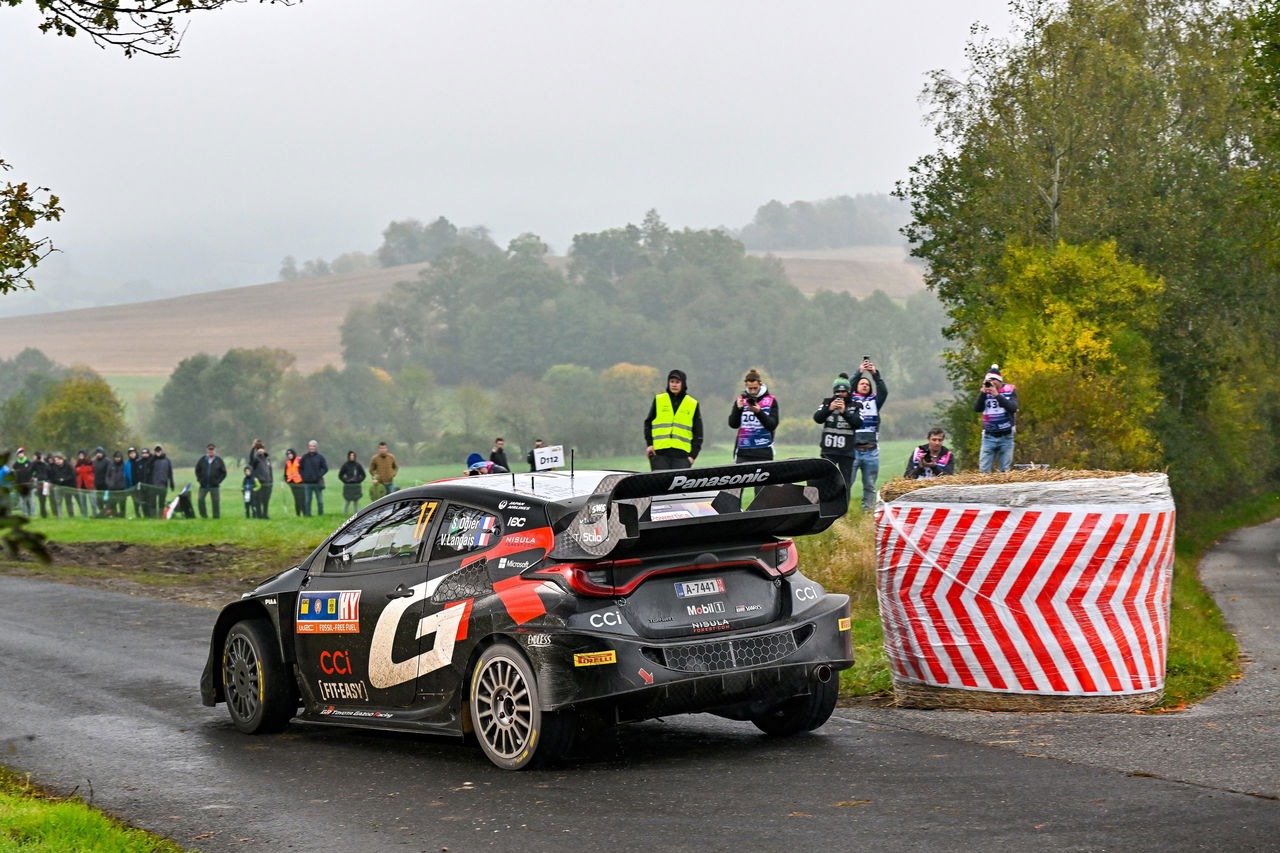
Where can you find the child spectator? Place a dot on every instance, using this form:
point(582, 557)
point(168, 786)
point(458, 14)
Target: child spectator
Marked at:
point(249, 486)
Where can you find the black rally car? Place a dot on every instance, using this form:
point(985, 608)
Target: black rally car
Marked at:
point(517, 606)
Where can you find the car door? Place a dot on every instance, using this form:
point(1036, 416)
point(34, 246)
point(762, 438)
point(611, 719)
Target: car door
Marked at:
point(357, 616)
point(457, 577)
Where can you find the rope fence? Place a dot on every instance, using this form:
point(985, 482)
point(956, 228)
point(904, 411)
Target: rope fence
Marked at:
point(143, 500)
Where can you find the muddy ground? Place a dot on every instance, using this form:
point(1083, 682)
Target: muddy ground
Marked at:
point(204, 575)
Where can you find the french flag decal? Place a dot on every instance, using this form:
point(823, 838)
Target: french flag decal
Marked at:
point(484, 533)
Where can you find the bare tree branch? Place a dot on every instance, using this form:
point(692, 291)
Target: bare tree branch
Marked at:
point(141, 26)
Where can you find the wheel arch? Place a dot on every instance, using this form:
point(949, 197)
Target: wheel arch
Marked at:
point(231, 614)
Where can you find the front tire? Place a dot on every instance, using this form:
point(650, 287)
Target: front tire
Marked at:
point(260, 695)
point(801, 713)
point(506, 714)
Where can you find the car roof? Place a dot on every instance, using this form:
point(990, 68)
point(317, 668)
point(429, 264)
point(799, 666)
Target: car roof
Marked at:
point(544, 487)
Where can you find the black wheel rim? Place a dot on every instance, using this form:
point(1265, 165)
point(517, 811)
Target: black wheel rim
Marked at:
point(504, 712)
point(242, 675)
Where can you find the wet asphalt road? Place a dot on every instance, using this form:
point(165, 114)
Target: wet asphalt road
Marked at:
point(98, 692)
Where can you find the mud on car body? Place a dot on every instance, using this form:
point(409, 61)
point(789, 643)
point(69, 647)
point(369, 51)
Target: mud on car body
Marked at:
point(516, 607)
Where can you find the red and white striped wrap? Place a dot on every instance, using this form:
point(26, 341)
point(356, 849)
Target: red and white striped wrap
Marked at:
point(1063, 597)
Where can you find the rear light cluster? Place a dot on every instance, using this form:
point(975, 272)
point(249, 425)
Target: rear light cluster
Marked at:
point(777, 559)
point(582, 578)
point(786, 557)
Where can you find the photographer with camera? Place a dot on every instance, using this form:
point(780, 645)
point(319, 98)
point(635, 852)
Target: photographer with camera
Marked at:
point(931, 459)
point(755, 416)
point(840, 422)
point(998, 402)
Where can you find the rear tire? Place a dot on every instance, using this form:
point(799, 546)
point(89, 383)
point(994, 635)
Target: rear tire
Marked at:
point(261, 696)
point(513, 730)
point(801, 713)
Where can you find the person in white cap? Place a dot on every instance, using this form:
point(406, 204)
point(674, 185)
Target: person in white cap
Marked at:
point(998, 402)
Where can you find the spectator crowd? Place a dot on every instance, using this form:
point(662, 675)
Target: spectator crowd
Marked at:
point(139, 482)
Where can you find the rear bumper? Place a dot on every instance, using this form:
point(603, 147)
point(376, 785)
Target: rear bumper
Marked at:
point(651, 677)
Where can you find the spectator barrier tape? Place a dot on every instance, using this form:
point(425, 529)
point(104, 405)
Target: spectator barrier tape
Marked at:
point(1052, 588)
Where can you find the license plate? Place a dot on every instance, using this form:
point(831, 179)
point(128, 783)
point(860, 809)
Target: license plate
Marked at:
point(693, 589)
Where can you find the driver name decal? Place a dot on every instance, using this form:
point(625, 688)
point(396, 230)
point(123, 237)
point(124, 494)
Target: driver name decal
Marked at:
point(333, 612)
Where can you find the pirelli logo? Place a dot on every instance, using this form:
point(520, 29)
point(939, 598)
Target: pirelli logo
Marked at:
point(845, 623)
point(595, 658)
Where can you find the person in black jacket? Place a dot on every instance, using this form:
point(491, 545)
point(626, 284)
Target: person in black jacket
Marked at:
point(312, 467)
point(351, 475)
point(498, 455)
point(840, 422)
point(142, 491)
point(23, 477)
point(210, 472)
point(264, 476)
point(755, 415)
point(62, 477)
point(161, 481)
point(114, 487)
point(528, 457)
point(40, 482)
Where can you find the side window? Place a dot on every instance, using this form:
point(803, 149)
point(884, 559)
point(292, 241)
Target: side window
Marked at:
point(464, 529)
point(384, 539)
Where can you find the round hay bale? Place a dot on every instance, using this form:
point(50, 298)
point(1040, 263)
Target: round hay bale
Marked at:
point(1033, 590)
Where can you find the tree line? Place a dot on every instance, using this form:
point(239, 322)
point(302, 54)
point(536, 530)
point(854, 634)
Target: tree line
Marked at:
point(870, 219)
point(640, 294)
point(867, 219)
point(1099, 218)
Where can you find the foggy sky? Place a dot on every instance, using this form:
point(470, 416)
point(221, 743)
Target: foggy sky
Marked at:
point(304, 130)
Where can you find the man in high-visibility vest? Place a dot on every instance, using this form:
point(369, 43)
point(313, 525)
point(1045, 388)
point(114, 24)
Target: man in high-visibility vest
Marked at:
point(673, 430)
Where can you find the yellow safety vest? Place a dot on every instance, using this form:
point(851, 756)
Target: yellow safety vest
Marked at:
point(673, 429)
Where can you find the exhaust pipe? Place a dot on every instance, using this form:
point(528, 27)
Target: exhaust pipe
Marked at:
point(822, 673)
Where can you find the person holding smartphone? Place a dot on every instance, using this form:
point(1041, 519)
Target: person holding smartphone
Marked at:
point(998, 402)
point(869, 400)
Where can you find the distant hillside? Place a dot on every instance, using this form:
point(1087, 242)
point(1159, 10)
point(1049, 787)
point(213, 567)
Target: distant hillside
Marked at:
point(305, 316)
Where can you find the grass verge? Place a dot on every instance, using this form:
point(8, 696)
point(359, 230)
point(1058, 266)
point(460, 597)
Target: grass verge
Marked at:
point(34, 821)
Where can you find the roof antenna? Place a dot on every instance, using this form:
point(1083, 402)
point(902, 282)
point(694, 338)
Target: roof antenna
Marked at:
point(513, 481)
point(570, 464)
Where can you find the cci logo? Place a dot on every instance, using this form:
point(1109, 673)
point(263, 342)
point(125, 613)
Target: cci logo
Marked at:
point(335, 663)
point(609, 617)
point(806, 593)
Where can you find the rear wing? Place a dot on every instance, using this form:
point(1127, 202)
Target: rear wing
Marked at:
point(793, 497)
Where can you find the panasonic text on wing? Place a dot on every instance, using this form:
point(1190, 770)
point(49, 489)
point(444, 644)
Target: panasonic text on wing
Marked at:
point(684, 483)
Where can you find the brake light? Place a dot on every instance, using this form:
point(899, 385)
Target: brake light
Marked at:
point(581, 578)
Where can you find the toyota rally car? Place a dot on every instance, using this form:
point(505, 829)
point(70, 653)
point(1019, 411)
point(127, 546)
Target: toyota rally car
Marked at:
point(517, 606)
